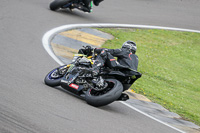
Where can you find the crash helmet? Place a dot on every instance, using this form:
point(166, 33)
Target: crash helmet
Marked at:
point(130, 45)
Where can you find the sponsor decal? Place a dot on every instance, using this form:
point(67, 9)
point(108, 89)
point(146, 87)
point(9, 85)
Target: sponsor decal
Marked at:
point(112, 59)
point(74, 86)
point(130, 55)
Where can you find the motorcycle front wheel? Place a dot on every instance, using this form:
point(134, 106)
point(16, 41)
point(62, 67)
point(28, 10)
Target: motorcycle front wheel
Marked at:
point(54, 77)
point(106, 96)
point(56, 4)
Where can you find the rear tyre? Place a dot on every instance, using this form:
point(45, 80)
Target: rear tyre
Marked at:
point(56, 4)
point(106, 96)
point(53, 78)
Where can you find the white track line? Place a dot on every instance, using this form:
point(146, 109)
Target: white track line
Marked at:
point(48, 36)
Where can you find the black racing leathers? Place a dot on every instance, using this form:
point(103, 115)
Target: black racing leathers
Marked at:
point(124, 56)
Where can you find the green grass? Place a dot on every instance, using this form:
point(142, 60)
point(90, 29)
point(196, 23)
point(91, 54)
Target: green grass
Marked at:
point(170, 64)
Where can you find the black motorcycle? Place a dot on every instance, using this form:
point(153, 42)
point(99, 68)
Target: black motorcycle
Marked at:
point(98, 89)
point(70, 4)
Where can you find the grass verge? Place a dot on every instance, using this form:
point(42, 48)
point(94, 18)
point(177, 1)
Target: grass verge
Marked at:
point(170, 64)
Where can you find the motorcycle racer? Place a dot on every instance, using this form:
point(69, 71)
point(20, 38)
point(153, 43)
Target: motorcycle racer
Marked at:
point(126, 57)
point(98, 78)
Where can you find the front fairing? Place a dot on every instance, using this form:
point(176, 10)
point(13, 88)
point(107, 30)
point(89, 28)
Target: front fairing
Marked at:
point(68, 83)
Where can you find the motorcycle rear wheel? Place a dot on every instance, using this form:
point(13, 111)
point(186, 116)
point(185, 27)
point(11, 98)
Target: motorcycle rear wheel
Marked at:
point(106, 96)
point(53, 78)
point(56, 4)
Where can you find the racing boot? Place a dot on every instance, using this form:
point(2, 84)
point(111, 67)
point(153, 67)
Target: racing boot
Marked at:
point(96, 2)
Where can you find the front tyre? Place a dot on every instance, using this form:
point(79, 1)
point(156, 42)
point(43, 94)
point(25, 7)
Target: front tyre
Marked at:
point(106, 96)
point(54, 77)
point(56, 4)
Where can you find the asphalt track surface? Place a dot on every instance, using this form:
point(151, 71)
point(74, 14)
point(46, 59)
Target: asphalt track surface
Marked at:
point(27, 105)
